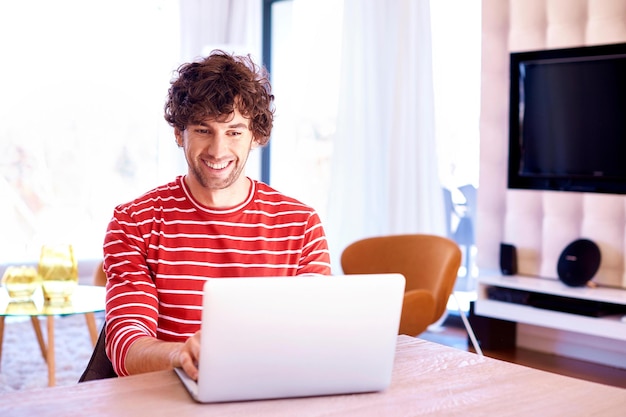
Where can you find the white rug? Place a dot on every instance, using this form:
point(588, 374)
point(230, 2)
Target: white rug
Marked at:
point(23, 367)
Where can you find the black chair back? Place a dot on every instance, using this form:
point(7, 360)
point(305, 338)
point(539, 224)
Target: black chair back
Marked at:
point(99, 366)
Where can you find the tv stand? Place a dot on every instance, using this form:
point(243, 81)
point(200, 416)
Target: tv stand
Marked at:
point(604, 324)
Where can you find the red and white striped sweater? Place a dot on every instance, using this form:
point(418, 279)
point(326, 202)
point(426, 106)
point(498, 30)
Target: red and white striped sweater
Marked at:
point(160, 248)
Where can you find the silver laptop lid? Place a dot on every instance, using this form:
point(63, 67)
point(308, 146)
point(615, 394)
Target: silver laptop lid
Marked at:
point(298, 336)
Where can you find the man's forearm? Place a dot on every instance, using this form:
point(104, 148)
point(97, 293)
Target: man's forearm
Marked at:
point(149, 354)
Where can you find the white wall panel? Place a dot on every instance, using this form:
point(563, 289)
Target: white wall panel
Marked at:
point(541, 224)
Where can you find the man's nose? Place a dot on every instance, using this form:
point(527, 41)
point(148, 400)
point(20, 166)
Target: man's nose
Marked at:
point(218, 145)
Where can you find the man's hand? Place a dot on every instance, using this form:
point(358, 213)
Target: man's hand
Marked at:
point(188, 356)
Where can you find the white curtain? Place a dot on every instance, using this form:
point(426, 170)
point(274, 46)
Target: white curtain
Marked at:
point(384, 167)
point(235, 25)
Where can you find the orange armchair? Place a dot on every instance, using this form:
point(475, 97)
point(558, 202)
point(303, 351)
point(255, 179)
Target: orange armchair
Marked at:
point(429, 263)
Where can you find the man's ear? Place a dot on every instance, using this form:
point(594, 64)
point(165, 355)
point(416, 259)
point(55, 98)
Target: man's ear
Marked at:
point(178, 134)
point(255, 143)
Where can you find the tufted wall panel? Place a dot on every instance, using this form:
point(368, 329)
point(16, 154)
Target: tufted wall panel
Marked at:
point(541, 223)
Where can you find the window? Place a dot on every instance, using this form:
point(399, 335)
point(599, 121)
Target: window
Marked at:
point(456, 79)
point(456, 72)
point(83, 88)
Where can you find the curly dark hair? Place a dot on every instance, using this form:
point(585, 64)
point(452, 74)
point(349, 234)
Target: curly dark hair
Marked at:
point(214, 86)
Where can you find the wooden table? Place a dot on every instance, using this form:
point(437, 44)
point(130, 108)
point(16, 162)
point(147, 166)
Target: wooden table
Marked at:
point(428, 379)
point(85, 299)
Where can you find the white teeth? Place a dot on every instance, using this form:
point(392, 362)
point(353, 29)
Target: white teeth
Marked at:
point(217, 166)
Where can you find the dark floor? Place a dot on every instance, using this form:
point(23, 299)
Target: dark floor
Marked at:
point(452, 333)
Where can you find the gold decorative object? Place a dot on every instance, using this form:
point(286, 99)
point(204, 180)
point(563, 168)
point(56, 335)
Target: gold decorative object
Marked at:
point(18, 307)
point(59, 273)
point(21, 282)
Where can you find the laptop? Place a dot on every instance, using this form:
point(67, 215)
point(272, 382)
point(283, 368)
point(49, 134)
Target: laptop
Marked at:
point(283, 337)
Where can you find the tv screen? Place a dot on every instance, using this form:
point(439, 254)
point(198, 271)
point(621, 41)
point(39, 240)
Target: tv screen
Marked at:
point(567, 125)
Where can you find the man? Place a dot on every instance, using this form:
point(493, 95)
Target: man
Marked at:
point(212, 222)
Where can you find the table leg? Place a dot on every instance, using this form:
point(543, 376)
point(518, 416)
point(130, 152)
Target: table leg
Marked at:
point(91, 325)
point(50, 353)
point(37, 329)
point(1, 336)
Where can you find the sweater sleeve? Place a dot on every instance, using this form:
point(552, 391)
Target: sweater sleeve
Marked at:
point(315, 258)
point(131, 302)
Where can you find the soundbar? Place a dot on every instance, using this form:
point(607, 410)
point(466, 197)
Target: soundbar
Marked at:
point(589, 308)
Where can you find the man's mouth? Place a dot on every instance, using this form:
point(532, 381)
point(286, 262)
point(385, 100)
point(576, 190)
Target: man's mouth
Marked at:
point(217, 166)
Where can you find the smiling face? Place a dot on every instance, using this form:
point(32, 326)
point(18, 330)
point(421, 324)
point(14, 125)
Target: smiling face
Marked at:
point(217, 151)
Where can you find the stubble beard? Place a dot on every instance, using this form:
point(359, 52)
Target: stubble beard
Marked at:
point(215, 184)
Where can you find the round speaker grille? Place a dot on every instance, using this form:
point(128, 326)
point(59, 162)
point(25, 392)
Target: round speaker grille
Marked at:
point(579, 262)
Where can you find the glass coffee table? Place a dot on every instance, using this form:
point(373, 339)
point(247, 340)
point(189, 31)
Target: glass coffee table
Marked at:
point(86, 300)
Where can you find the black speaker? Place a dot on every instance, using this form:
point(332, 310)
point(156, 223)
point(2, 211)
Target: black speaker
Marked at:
point(579, 262)
point(508, 259)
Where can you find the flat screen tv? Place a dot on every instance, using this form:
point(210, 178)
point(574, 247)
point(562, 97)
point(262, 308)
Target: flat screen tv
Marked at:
point(567, 125)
